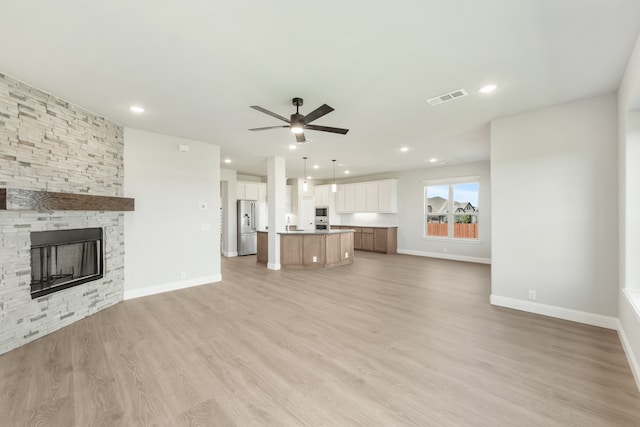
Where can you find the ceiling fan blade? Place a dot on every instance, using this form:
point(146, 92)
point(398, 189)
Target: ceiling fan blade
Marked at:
point(317, 113)
point(271, 113)
point(327, 129)
point(300, 137)
point(270, 127)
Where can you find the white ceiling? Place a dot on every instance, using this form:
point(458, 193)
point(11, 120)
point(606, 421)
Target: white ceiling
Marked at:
point(197, 66)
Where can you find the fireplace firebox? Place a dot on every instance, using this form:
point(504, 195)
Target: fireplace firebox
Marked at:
point(61, 259)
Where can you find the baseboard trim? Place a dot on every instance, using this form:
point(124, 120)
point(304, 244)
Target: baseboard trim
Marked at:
point(631, 297)
point(229, 254)
point(557, 312)
point(272, 266)
point(451, 257)
point(173, 286)
point(631, 358)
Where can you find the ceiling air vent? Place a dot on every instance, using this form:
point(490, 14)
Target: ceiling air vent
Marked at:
point(446, 97)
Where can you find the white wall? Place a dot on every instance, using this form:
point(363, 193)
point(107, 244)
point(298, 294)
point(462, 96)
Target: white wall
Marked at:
point(554, 187)
point(629, 229)
point(164, 236)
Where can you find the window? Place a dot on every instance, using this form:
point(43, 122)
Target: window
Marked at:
point(451, 208)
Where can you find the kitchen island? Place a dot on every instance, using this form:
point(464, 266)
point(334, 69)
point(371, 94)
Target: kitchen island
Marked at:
point(311, 249)
point(375, 238)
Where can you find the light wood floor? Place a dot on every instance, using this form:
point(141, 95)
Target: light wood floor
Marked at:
point(391, 340)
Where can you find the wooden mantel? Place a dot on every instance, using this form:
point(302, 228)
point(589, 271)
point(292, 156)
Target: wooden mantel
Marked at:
point(16, 199)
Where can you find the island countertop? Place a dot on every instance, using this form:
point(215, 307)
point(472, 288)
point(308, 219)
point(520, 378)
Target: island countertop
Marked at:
point(337, 231)
point(310, 248)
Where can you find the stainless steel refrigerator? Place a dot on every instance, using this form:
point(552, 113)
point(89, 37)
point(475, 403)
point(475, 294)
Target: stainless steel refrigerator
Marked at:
point(247, 226)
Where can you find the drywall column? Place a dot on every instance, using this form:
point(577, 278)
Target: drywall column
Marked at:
point(228, 178)
point(276, 194)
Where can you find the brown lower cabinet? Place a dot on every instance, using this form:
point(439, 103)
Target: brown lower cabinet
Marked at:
point(315, 250)
point(374, 239)
point(262, 254)
point(367, 239)
point(357, 240)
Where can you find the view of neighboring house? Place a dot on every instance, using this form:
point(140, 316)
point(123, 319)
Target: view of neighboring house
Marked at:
point(437, 210)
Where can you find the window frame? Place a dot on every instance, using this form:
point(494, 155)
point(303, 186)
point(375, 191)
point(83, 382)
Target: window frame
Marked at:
point(451, 214)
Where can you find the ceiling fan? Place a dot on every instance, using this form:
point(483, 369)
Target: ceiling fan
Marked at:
point(298, 123)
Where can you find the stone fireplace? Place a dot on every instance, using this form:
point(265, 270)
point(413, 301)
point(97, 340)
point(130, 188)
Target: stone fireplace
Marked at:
point(48, 144)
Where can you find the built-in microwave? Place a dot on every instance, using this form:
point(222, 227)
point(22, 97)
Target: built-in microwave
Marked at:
point(322, 211)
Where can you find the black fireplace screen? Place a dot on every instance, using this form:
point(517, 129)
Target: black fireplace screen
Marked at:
point(61, 259)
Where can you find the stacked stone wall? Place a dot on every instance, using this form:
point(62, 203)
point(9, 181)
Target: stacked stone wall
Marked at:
point(49, 144)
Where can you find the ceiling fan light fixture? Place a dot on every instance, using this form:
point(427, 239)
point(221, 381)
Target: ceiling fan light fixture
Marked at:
point(299, 123)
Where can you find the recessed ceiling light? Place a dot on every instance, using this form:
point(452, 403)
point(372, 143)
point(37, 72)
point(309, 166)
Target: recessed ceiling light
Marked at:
point(488, 88)
point(136, 109)
point(433, 160)
point(316, 166)
point(293, 146)
point(227, 160)
point(309, 177)
point(347, 172)
point(404, 149)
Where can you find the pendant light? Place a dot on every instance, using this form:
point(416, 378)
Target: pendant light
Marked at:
point(334, 187)
point(305, 186)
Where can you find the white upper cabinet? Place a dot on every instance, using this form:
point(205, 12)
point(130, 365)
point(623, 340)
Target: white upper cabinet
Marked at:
point(251, 190)
point(340, 199)
point(262, 192)
point(323, 196)
point(388, 196)
point(373, 196)
point(349, 198)
point(361, 197)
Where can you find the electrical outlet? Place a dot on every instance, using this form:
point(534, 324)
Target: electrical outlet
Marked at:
point(315, 259)
point(183, 274)
point(532, 295)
